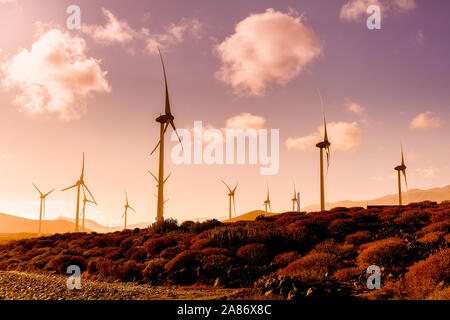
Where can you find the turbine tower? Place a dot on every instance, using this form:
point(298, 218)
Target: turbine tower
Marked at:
point(165, 120)
point(401, 169)
point(298, 201)
point(79, 184)
point(85, 200)
point(325, 144)
point(231, 197)
point(294, 199)
point(267, 202)
point(42, 207)
point(127, 206)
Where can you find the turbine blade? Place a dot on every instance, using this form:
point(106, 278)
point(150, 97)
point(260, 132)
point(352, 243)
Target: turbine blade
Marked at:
point(151, 153)
point(226, 185)
point(48, 193)
point(38, 190)
point(126, 195)
point(165, 128)
point(154, 176)
point(167, 107)
point(328, 158)
point(132, 209)
point(75, 185)
point(82, 170)
point(403, 159)
point(167, 177)
point(235, 188)
point(270, 208)
point(323, 112)
point(406, 181)
point(176, 132)
point(90, 193)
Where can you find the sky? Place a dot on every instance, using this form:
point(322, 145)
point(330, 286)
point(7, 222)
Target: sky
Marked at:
point(259, 65)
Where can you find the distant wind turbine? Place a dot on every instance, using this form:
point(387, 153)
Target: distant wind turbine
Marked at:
point(42, 207)
point(127, 206)
point(267, 202)
point(231, 198)
point(79, 184)
point(165, 120)
point(85, 200)
point(325, 144)
point(401, 169)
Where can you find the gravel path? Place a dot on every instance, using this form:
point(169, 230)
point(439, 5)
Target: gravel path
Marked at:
point(32, 286)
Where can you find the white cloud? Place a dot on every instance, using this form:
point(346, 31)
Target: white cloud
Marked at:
point(245, 121)
point(55, 75)
point(175, 34)
point(117, 31)
point(425, 120)
point(355, 108)
point(427, 173)
point(264, 48)
point(343, 136)
point(114, 31)
point(355, 10)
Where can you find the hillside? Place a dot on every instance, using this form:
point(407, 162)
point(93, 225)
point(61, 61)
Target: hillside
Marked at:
point(413, 195)
point(14, 224)
point(287, 256)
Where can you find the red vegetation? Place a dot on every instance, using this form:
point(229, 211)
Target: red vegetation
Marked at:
point(410, 244)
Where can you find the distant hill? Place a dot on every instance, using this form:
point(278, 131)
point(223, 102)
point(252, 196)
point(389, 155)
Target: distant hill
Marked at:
point(14, 224)
point(414, 195)
point(249, 216)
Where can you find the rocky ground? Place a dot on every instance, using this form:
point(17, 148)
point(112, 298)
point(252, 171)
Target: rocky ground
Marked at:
point(32, 286)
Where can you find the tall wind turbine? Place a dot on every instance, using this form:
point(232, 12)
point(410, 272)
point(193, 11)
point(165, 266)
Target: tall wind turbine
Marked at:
point(85, 200)
point(127, 206)
point(325, 144)
point(79, 184)
point(267, 202)
point(165, 120)
point(42, 207)
point(294, 199)
point(401, 169)
point(231, 197)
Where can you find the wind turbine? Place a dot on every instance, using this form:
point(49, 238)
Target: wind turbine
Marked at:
point(85, 200)
point(79, 184)
point(127, 206)
point(325, 144)
point(294, 199)
point(401, 169)
point(231, 197)
point(267, 202)
point(42, 207)
point(165, 120)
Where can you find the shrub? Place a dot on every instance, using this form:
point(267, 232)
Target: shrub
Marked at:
point(153, 269)
point(423, 277)
point(358, 237)
point(185, 259)
point(215, 265)
point(60, 263)
point(203, 243)
point(113, 253)
point(253, 253)
point(347, 274)
point(284, 259)
point(166, 226)
point(154, 246)
point(137, 254)
point(314, 266)
point(387, 253)
point(129, 271)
